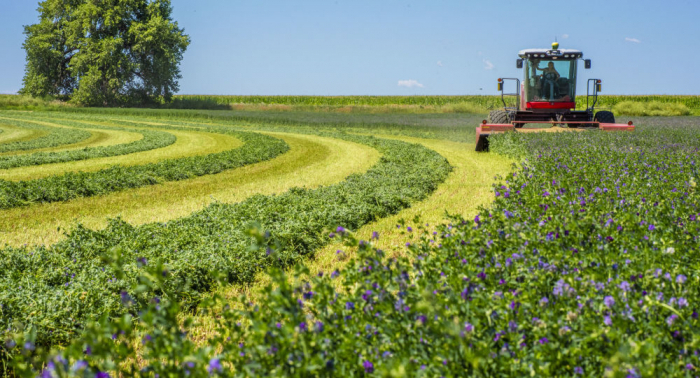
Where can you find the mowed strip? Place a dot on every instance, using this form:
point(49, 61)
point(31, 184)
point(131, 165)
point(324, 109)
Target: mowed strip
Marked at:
point(98, 138)
point(312, 161)
point(189, 143)
point(12, 133)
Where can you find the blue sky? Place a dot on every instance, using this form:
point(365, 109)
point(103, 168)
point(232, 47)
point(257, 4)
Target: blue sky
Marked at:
point(386, 47)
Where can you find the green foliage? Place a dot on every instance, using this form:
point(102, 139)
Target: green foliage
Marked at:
point(104, 53)
point(586, 264)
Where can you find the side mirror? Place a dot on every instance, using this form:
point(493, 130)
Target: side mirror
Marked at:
point(519, 63)
point(587, 63)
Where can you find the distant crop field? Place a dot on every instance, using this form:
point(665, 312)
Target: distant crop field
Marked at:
point(448, 104)
point(312, 242)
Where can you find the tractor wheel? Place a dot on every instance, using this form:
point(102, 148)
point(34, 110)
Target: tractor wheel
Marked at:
point(604, 116)
point(498, 116)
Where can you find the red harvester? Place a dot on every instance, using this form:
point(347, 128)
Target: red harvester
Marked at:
point(548, 95)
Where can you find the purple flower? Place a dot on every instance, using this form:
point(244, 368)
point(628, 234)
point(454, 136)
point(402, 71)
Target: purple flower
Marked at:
point(29, 345)
point(512, 326)
point(607, 321)
point(302, 326)
point(544, 301)
point(543, 340)
point(651, 227)
point(349, 306)
point(101, 374)
point(335, 274)
point(369, 367)
point(624, 286)
point(409, 229)
point(690, 367)
point(308, 295)
point(340, 230)
point(671, 319)
point(578, 370)
point(142, 261)
point(609, 301)
point(319, 326)
point(682, 302)
point(681, 279)
point(375, 235)
point(126, 299)
point(367, 295)
point(468, 327)
point(215, 365)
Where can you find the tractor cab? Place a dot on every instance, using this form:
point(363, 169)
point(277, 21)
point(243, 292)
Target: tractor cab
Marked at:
point(550, 78)
point(548, 90)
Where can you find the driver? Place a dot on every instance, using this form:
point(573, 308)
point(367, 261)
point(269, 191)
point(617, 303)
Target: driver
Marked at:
point(549, 70)
point(550, 85)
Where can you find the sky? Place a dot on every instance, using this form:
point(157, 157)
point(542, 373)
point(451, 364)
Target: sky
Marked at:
point(387, 47)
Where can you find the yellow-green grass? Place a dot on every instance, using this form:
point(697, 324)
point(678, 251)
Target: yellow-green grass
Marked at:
point(12, 133)
point(189, 143)
point(98, 138)
point(466, 188)
point(311, 161)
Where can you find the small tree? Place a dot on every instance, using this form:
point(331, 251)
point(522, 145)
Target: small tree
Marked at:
point(104, 52)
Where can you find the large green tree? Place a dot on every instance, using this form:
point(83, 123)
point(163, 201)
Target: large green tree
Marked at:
point(104, 52)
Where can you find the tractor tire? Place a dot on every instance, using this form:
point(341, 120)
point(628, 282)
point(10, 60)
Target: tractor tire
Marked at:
point(604, 116)
point(498, 116)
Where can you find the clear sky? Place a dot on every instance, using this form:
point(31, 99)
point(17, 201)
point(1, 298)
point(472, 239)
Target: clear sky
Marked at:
point(386, 47)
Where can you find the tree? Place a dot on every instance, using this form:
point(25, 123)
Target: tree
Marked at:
point(104, 52)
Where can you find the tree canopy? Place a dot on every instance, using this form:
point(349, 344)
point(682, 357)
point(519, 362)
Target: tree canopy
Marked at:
point(104, 52)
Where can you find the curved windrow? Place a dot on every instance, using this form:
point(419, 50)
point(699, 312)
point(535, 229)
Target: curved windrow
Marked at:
point(311, 161)
point(72, 281)
point(48, 136)
point(71, 185)
point(151, 139)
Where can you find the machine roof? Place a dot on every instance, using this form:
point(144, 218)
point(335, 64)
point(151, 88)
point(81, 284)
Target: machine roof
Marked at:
point(550, 53)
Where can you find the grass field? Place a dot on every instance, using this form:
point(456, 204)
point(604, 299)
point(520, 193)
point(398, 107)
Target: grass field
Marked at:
point(206, 220)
